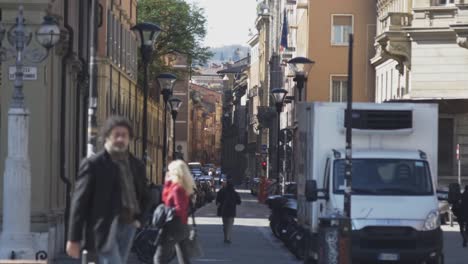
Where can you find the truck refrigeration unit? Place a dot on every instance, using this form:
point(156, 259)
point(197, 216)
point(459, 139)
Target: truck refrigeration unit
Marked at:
point(394, 206)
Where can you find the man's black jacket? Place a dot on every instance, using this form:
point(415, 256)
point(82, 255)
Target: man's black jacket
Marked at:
point(96, 204)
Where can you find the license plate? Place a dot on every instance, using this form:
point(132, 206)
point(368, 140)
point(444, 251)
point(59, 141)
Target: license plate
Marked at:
point(389, 257)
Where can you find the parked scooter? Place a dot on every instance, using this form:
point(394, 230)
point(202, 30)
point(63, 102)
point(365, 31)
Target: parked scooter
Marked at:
point(283, 223)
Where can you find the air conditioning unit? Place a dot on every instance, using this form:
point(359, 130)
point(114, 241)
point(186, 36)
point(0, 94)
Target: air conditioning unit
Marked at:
point(384, 120)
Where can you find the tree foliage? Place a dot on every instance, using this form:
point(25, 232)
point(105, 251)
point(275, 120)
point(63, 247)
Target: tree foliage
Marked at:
point(183, 31)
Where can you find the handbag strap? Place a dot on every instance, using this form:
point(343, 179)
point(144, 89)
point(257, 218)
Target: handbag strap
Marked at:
point(192, 213)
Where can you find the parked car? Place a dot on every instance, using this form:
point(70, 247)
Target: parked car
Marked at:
point(194, 165)
point(196, 173)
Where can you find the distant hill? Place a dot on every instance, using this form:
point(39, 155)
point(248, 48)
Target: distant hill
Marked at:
point(226, 53)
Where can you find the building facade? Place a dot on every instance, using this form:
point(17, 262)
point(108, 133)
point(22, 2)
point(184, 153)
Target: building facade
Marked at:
point(421, 56)
point(330, 23)
point(57, 99)
point(205, 122)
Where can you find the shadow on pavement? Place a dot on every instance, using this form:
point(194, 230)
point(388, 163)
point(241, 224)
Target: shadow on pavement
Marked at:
point(250, 244)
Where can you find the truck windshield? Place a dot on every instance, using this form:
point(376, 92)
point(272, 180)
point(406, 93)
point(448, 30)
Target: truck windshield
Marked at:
point(385, 177)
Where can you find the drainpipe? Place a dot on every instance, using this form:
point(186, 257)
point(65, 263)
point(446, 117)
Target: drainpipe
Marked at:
point(63, 116)
point(93, 71)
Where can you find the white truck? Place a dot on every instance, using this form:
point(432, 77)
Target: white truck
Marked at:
point(394, 206)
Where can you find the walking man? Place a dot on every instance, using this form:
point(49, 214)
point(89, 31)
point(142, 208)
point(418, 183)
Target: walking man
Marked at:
point(227, 200)
point(110, 198)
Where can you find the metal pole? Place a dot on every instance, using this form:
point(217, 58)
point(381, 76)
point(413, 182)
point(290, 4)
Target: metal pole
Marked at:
point(93, 72)
point(165, 140)
point(174, 117)
point(17, 171)
point(278, 150)
point(346, 226)
point(459, 164)
point(284, 161)
point(144, 150)
point(300, 92)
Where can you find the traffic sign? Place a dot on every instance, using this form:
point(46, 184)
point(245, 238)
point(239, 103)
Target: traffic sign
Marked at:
point(285, 135)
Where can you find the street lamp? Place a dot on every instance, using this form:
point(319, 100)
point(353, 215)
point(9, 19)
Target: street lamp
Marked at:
point(147, 33)
point(166, 82)
point(297, 65)
point(16, 234)
point(279, 94)
point(175, 104)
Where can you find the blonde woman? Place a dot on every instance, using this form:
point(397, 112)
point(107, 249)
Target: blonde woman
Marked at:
point(178, 188)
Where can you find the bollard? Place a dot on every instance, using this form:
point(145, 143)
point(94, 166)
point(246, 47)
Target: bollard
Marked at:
point(84, 257)
point(334, 240)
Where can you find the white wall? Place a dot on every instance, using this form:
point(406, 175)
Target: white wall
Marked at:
point(439, 70)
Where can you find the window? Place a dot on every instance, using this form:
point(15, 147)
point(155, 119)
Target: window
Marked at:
point(109, 34)
point(115, 49)
point(446, 2)
point(399, 177)
point(339, 85)
point(342, 26)
point(119, 43)
point(124, 48)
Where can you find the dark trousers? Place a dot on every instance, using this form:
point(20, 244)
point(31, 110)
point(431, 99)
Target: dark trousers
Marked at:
point(228, 223)
point(464, 230)
point(165, 252)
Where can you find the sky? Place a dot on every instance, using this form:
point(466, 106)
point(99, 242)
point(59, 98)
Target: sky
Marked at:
point(228, 20)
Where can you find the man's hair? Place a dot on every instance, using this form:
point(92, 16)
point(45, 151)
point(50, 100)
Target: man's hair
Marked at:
point(113, 122)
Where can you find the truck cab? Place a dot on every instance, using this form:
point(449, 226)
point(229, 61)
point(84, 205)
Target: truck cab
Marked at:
point(394, 205)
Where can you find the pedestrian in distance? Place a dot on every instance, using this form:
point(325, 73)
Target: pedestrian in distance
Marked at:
point(178, 188)
point(110, 198)
point(227, 200)
point(464, 216)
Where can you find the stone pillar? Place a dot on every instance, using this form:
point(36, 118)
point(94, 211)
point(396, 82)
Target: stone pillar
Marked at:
point(16, 236)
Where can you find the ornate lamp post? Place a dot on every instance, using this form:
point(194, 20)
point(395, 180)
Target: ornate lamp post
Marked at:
point(147, 33)
point(166, 82)
point(16, 236)
point(175, 104)
point(297, 65)
point(279, 94)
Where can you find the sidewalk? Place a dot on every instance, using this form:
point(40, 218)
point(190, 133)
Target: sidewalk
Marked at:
point(252, 240)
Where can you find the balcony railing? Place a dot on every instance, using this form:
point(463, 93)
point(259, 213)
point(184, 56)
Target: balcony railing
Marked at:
point(395, 21)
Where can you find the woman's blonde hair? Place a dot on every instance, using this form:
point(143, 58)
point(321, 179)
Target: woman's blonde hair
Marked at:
point(178, 172)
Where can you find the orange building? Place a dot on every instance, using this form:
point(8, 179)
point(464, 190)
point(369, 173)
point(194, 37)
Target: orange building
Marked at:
point(329, 23)
point(205, 124)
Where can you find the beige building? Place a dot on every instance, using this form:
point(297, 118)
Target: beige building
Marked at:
point(57, 100)
point(421, 56)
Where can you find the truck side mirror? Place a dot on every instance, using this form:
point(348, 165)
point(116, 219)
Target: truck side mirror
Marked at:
point(311, 191)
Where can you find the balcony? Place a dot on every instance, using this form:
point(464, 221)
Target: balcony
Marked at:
point(392, 41)
point(394, 21)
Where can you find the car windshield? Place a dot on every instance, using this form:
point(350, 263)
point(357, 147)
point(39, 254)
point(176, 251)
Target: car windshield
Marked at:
point(385, 177)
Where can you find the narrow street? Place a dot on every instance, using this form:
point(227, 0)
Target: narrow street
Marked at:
point(252, 240)
point(453, 250)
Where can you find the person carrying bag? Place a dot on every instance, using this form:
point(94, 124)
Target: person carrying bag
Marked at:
point(176, 233)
